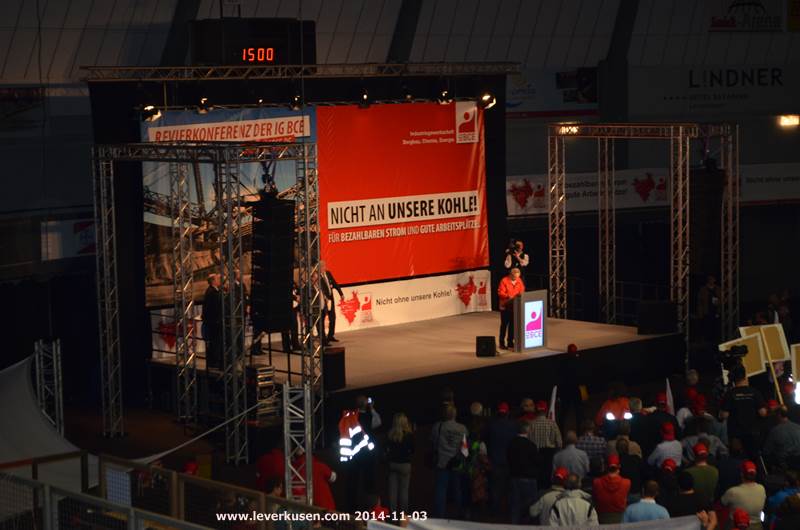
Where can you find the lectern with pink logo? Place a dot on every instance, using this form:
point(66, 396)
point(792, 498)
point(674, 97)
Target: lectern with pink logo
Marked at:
point(530, 319)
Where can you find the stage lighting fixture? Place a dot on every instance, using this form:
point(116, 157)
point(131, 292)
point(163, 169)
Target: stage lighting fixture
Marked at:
point(789, 120)
point(487, 100)
point(444, 97)
point(150, 113)
point(407, 95)
point(363, 99)
point(260, 101)
point(568, 129)
point(205, 106)
point(297, 102)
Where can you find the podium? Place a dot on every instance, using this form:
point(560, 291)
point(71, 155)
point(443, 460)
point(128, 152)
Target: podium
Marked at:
point(530, 321)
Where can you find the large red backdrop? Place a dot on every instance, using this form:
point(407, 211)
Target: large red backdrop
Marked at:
point(402, 190)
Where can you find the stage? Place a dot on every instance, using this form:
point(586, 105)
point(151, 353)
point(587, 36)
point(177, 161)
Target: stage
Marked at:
point(405, 366)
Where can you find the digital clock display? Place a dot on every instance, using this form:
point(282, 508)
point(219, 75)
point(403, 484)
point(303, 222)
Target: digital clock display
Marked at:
point(258, 55)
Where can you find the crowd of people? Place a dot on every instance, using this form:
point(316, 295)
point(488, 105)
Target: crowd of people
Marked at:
point(732, 463)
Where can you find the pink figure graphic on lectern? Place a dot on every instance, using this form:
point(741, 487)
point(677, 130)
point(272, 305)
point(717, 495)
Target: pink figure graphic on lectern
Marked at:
point(535, 323)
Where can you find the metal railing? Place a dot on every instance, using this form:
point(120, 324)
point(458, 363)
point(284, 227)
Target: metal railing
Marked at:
point(34, 465)
point(29, 504)
point(190, 498)
point(630, 294)
point(575, 305)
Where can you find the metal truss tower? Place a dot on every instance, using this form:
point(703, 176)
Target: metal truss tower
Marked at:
point(183, 294)
point(607, 223)
point(557, 221)
point(107, 292)
point(679, 136)
point(49, 388)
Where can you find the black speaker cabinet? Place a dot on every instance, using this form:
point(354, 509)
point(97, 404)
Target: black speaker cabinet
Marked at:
point(333, 368)
point(485, 347)
point(657, 317)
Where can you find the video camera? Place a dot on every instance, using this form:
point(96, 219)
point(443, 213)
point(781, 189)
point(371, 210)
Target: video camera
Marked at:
point(512, 246)
point(732, 357)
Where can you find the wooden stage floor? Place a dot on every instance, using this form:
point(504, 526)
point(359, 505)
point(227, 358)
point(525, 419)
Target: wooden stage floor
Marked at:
point(392, 354)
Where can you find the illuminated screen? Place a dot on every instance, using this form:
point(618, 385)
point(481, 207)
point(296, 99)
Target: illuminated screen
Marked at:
point(534, 324)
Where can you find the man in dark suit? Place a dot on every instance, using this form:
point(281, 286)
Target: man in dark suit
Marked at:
point(212, 322)
point(328, 285)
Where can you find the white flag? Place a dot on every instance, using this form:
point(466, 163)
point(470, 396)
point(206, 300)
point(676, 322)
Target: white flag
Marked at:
point(552, 412)
point(670, 400)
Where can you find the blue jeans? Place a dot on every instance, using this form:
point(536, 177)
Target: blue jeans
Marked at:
point(446, 479)
point(523, 493)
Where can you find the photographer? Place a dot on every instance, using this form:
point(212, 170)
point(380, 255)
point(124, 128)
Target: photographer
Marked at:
point(742, 407)
point(516, 258)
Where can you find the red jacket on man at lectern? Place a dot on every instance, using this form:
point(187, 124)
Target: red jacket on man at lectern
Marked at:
point(508, 289)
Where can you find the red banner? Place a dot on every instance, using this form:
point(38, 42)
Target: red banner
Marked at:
point(402, 190)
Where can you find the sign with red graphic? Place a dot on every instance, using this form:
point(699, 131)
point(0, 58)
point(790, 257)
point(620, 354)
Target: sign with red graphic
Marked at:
point(534, 324)
point(399, 302)
point(402, 191)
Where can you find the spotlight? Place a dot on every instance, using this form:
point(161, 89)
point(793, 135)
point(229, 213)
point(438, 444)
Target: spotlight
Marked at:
point(297, 102)
point(205, 106)
point(789, 120)
point(150, 113)
point(487, 100)
point(260, 101)
point(407, 95)
point(444, 97)
point(363, 99)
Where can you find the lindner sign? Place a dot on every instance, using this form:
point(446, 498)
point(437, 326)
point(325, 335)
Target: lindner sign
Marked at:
point(711, 90)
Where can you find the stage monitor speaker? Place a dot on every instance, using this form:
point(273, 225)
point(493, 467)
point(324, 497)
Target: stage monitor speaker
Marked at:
point(272, 264)
point(657, 318)
point(485, 347)
point(333, 376)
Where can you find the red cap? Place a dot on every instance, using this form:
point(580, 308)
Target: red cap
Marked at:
point(561, 473)
point(700, 449)
point(503, 408)
point(661, 398)
point(572, 348)
point(541, 406)
point(699, 404)
point(667, 431)
point(190, 468)
point(613, 461)
point(773, 404)
point(749, 468)
point(669, 465)
point(741, 519)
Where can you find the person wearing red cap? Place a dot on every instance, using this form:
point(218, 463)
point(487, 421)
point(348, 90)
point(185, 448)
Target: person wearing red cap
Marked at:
point(668, 448)
point(667, 481)
point(610, 493)
point(542, 430)
point(540, 510)
point(705, 475)
point(783, 441)
point(655, 422)
point(270, 465)
point(685, 412)
point(749, 496)
point(502, 430)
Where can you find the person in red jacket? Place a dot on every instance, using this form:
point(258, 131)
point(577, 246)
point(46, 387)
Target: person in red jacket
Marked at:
point(610, 493)
point(322, 476)
point(510, 287)
point(270, 465)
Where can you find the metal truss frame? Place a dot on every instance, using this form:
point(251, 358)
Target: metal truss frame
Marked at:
point(557, 221)
point(183, 294)
point(298, 429)
point(607, 224)
point(107, 292)
point(226, 159)
point(729, 277)
point(240, 72)
point(49, 387)
point(679, 136)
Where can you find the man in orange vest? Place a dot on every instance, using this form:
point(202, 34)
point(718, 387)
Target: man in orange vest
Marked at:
point(510, 287)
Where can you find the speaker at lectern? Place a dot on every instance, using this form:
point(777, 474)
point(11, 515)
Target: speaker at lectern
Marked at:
point(530, 321)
